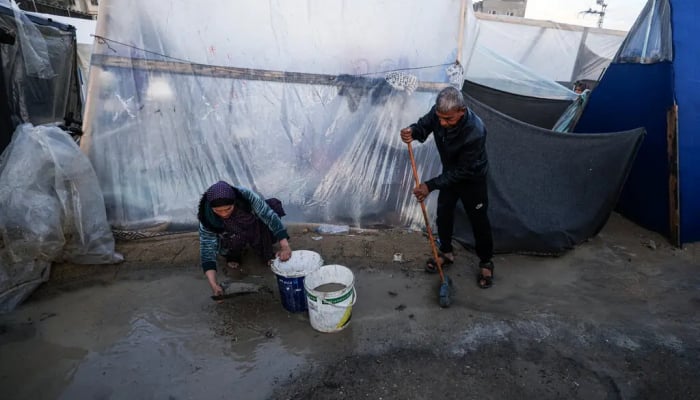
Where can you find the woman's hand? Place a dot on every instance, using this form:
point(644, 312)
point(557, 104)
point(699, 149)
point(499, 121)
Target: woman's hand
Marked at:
point(216, 289)
point(285, 252)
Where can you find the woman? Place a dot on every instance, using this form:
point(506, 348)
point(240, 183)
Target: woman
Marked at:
point(232, 218)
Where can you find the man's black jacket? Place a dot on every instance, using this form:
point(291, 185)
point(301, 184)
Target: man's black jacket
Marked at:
point(462, 149)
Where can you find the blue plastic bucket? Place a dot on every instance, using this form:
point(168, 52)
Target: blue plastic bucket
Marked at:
point(290, 278)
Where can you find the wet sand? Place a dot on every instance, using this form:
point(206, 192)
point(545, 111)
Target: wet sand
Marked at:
point(613, 318)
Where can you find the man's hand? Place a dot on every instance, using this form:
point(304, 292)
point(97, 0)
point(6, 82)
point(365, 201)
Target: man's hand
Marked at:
point(285, 252)
point(406, 135)
point(421, 192)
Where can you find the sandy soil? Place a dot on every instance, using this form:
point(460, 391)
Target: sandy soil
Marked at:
point(616, 318)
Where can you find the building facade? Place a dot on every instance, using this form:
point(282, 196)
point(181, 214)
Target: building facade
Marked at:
point(68, 8)
point(86, 6)
point(513, 8)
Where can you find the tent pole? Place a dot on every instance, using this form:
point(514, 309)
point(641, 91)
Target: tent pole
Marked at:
point(106, 62)
point(460, 36)
point(673, 195)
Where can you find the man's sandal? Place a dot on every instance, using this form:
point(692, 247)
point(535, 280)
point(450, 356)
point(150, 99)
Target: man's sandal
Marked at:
point(431, 264)
point(483, 281)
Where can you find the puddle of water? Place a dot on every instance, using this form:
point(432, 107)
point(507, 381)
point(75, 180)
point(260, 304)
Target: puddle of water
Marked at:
point(166, 337)
point(135, 339)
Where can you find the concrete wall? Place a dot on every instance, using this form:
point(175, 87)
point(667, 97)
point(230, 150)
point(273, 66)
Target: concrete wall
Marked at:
point(514, 8)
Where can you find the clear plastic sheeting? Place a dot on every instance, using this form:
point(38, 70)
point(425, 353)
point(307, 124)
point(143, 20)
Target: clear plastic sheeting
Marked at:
point(651, 37)
point(287, 98)
point(51, 209)
point(501, 69)
point(359, 37)
point(555, 52)
point(568, 120)
point(330, 153)
point(492, 69)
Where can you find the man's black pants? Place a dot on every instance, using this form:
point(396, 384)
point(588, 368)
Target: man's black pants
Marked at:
point(474, 196)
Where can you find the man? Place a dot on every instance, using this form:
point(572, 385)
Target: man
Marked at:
point(460, 138)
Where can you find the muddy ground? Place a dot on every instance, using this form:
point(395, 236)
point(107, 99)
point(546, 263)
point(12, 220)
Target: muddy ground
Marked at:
point(615, 318)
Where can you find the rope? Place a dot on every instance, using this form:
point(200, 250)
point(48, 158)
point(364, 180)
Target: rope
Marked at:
point(106, 41)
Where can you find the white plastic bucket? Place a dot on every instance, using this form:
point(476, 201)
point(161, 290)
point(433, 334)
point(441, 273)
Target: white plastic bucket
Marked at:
point(330, 311)
point(290, 277)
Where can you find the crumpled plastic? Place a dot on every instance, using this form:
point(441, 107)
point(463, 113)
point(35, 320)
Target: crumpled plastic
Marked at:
point(51, 209)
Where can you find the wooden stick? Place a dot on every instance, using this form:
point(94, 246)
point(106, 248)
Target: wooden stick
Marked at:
point(216, 71)
point(460, 34)
point(438, 261)
point(673, 195)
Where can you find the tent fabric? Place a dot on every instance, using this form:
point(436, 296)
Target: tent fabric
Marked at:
point(558, 52)
point(172, 110)
point(590, 66)
point(536, 111)
point(568, 120)
point(638, 90)
point(500, 67)
point(38, 70)
point(650, 39)
point(687, 87)
point(622, 101)
point(161, 129)
point(84, 31)
point(330, 153)
point(175, 109)
point(548, 191)
point(497, 71)
point(6, 124)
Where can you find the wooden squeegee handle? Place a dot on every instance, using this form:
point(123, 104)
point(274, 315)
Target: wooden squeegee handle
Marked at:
point(437, 259)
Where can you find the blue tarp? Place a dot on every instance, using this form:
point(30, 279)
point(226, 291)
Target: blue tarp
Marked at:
point(686, 32)
point(638, 92)
point(631, 96)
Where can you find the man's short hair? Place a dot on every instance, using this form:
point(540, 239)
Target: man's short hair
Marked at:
point(450, 99)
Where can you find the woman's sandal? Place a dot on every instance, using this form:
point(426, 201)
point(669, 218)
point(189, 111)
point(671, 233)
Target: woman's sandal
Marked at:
point(431, 264)
point(483, 281)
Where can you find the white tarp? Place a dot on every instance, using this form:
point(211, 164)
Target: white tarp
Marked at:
point(558, 52)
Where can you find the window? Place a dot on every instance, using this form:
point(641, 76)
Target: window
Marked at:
point(94, 2)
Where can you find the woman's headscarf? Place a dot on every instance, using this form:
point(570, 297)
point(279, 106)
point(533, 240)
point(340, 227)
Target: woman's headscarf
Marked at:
point(220, 194)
